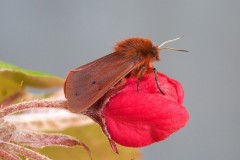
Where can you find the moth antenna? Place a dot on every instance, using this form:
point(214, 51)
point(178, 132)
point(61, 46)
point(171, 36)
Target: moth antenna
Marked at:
point(174, 49)
point(169, 41)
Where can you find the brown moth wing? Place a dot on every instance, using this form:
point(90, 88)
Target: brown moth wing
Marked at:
point(88, 83)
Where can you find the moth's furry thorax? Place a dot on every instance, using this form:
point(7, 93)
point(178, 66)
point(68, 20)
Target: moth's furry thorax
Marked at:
point(140, 46)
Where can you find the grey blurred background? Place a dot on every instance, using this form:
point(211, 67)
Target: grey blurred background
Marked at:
point(56, 36)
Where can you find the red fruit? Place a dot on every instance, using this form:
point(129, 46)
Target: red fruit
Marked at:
point(137, 119)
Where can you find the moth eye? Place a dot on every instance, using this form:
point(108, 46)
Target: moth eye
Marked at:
point(154, 53)
point(77, 93)
point(94, 82)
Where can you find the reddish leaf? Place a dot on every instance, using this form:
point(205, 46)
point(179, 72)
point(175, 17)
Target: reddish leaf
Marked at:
point(6, 130)
point(41, 140)
point(16, 149)
point(8, 156)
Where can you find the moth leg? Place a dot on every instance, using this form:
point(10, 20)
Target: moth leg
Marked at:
point(156, 80)
point(142, 71)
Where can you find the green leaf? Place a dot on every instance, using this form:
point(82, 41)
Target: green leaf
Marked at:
point(98, 143)
point(24, 77)
point(9, 88)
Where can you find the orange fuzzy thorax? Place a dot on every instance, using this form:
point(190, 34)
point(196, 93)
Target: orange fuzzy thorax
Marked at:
point(141, 47)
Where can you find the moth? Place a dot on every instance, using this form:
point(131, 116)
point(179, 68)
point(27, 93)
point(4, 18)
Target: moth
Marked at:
point(132, 57)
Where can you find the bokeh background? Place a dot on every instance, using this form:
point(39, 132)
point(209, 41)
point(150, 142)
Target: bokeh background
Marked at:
point(56, 36)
